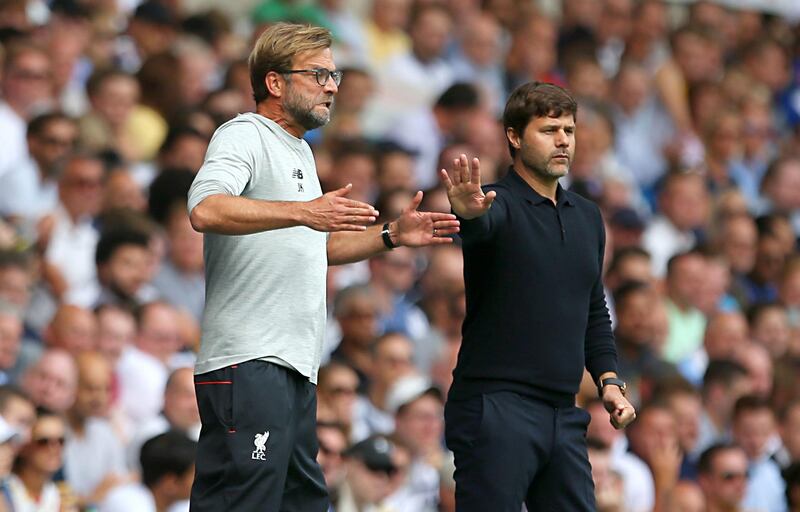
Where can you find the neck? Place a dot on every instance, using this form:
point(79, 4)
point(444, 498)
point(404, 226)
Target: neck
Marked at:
point(274, 111)
point(76, 422)
point(377, 394)
point(33, 480)
point(546, 187)
point(359, 355)
point(162, 502)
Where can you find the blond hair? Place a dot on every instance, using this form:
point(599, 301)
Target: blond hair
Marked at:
point(276, 48)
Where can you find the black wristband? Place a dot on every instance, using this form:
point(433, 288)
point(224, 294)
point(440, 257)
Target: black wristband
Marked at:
point(387, 240)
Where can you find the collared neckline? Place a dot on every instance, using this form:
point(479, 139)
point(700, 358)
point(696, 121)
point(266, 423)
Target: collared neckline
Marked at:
point(529, 194)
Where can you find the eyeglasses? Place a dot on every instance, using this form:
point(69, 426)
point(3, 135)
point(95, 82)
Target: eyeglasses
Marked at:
point(321, 74)
point(47, 441)
point(729, 476)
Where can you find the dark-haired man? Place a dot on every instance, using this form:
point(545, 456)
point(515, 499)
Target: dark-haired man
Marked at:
point(167, 471)
point(536, 316)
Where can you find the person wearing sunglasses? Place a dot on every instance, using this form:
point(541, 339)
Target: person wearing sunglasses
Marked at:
point(722, 475)
point(270, 234)
point(31, 485)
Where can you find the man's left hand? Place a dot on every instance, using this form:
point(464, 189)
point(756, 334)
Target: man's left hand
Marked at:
point(618, 407)
point(415, 228)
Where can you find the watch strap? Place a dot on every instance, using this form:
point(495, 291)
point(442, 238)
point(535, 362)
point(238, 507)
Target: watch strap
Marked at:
point(387, 240)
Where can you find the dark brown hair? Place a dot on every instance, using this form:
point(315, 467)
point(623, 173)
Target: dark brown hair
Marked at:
point(536, 99)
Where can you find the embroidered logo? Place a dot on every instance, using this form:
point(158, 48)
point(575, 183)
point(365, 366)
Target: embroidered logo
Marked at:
point(297, 174)
point(260, 453)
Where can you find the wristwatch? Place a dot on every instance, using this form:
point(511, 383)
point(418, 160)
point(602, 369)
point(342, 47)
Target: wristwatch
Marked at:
point(611, 381)
point(387, 240)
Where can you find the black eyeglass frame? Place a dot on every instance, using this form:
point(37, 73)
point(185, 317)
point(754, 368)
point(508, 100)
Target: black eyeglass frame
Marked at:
point(319, 74)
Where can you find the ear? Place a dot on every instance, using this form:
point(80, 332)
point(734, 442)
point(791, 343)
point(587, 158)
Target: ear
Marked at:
point(513, 138)
point(275, 84)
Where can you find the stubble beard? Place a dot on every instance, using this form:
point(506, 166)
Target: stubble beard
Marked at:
point(542, 166)
point(304, 112)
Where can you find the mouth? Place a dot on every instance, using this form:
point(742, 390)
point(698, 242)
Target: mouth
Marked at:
point(563, 158)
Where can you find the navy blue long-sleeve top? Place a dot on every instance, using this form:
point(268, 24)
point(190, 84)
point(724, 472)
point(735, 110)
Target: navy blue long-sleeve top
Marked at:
point(536, 310)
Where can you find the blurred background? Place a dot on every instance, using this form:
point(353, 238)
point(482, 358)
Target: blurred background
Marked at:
point(688, 139)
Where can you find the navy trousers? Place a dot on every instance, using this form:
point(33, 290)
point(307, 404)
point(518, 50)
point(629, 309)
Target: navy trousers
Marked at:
point(511, 449)
point(258, 443)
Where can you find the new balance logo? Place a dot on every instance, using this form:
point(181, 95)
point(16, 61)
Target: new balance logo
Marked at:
point(260, 453)
point(297, 174)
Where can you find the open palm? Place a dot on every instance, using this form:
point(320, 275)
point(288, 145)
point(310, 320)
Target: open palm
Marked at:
point(464, 188)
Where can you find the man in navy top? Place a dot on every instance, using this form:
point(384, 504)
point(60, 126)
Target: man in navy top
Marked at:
point(536, 316)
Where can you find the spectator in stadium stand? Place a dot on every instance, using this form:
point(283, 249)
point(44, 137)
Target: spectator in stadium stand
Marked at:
point(27, 89)
point(686, 323)
point(122, 258)
point(370, 466)
point(143, 368)
point(167, 462)
point(90, 436)
point(685, 403)
point(683, 210)
point(770, 328)
point(392, 359)
point(51, 381)
point(356, 310)
point(507, 392)
point(71, 238)
point(116, 330)
point(11, 330)
point(608, 485)
point(760, 369)
point(755, 430)
point(181, 280)
point(73, 328)
point(337, 389)
point(419, 423)
point(638, 363)
point(392, 277)
point(180, 414)
point(18, 411)
point(654, 438)
point(725, 334)
point(31, 190)
point(428, 130)
point(723, 383)
point(31, 486)
point(722, 474)
point(332, 444)
point(113, 95)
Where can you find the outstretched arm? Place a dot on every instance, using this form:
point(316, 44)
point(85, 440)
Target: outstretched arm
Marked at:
point(236, 215)
point(413, 229)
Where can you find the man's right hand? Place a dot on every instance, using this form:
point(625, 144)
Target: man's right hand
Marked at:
point(464, 189)
point(334, 212)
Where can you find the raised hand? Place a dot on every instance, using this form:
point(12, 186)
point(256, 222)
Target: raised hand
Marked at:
point(464, 189)
point(334, 212)
point(415, 228)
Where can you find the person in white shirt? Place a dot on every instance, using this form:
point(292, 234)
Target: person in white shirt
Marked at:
point(72, 237)
point(90, 436)
point(180, 414)
point(31, 487)
point(31, 191)
point(143, 369)
point(27, 88)
point(167, 462)
point(755, 430)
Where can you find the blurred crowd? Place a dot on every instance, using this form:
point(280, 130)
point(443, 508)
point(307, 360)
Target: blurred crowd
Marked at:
point(688, 137)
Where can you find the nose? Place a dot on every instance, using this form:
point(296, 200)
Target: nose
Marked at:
point(330, 86)
point(562, 139)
